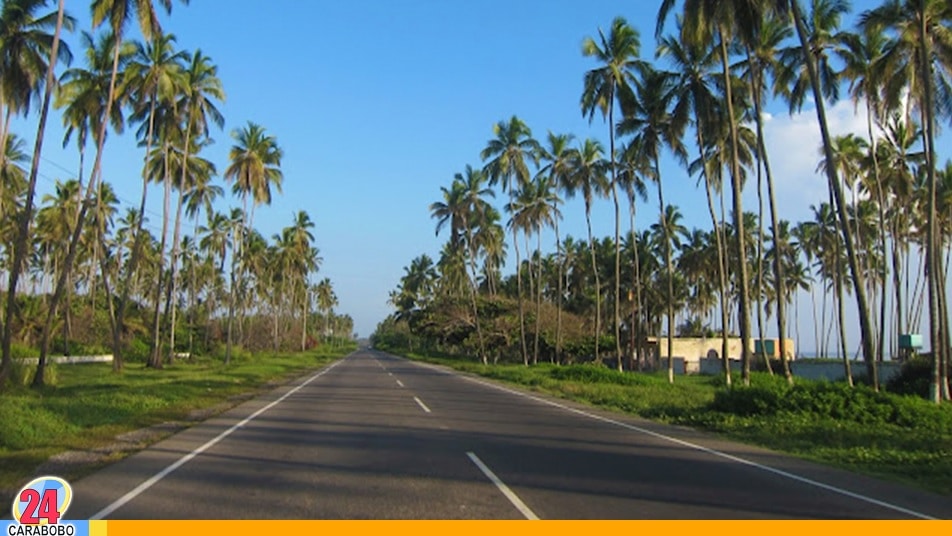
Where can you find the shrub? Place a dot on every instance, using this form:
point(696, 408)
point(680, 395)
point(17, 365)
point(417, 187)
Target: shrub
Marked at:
point(913, 379)
point(137, 351)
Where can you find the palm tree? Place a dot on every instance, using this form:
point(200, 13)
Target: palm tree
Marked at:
point(918, 58)
point(255, 167)
point(587, 175)
point(462, 206)
point(717, 22)
point(649, 117)
point(200, 89)
point(762, 61)
point(559, 156)
point(808, 56)
point(859, 53)
point(508, 155)
point(632, 171)
point(19, 81)
point(618, 56)
point(695, 94)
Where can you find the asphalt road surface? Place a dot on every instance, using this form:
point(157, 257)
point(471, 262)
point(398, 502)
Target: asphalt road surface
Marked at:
point(378, 437)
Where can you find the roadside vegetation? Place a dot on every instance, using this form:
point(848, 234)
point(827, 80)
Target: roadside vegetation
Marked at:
point(899, 437)
point(90, 405)
point(880, 239)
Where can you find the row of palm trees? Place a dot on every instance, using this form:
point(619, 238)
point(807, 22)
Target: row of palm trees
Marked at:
point(170, 97)
point(725, 59)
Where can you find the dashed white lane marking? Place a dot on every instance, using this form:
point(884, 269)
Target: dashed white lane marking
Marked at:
point(511, 495)
point(400, 383)
point(724, 455)
point(118, 503)
point(422, 405)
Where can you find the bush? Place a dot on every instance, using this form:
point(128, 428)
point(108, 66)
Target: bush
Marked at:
point(21, 351)
point(838, 401)
point(137, 351)
point(914, 378)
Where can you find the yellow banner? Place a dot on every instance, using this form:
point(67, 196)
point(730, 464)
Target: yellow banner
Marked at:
point(516, 528)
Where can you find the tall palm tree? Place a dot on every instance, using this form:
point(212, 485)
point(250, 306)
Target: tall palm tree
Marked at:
point(809, 59)
point(463, 205)
point(761, 62)
point(588, 177)
point(649, 117)
point(18, 21)
point(558, 155)
point(200, 90)
point(695, 94)
point(255, 166)
point(617, 55)
point(632, 172)
point(919, 57)
point(508, 156)
point(717, 23)
point(859, 53)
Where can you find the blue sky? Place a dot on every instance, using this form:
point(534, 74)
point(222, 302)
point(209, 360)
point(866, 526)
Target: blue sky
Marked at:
point(378, 103)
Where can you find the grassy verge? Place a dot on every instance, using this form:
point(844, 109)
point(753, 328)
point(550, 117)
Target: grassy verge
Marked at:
point(90, 404)
point(902, 438)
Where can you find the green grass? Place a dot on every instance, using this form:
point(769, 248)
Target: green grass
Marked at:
point(902, 438)
point(90, 404)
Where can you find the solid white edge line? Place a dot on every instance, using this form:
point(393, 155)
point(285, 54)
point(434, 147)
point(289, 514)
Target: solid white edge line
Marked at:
point(511, 495)
point(422, 405)
point(400, 383)
point(118, 503)
point(736, 459)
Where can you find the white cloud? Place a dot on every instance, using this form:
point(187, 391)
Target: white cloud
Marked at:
point(793, 145)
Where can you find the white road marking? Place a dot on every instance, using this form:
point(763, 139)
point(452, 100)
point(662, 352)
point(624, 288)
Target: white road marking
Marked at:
point(422, 405)
point(511, 495)
point(400, 383)
point(737, 459)
point(389, 374)
point(118, 503)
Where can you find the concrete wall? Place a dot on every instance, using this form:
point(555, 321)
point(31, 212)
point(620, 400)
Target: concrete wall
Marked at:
point(811, 369)
point(68, 360)
point(695, 348)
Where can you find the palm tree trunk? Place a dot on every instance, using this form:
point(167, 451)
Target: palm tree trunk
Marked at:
point(473, 288)
point(779, 277)
point(23, 232)
point(170, 301)
point(598, 288)
point(760, 264)
point(741, 250)
point(636, 331)
point(137, 243)
point(611, 137)
point(558, 312)
point(306, 310)
point(535, 351)
point(670, 269)
point(866, 332)
point(156, 360)
point(881, 206)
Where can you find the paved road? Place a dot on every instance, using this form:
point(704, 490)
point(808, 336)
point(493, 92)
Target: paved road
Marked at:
point(375, 436)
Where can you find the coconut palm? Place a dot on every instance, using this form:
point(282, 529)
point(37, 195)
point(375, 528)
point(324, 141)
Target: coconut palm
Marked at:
point(649, 117)
point(200, 89)
point(716, 23)
point(588, 176)
point(558, 156)
point(255, 166)
point(918, 59)
point(508, 156)
point(808, 58)
point(22, 49)
point(617, 55)
point(463, 205)
point(860, 53)
point(695, 94)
